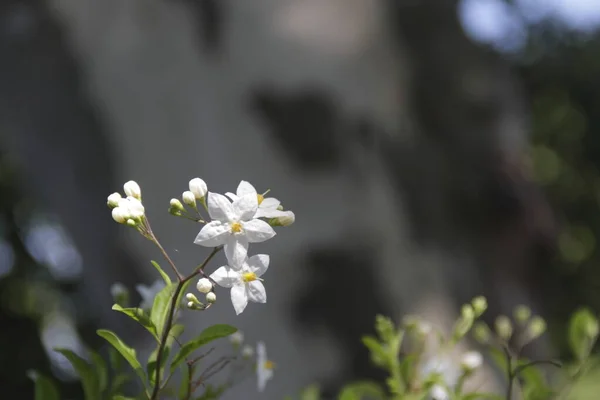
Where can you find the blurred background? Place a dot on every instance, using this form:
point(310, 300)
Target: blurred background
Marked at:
point(432, 150)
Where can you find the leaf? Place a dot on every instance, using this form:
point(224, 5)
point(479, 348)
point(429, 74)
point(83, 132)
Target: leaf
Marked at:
point(311, 393)
point(208, 335)
point(137, 314)
point(211, 393)
point(361, 390)
point(86, 373)
point(119, 397)
point(499, 358)
point(162, 273)
point(101, 371)
point(185, 381)
point(44, 387)
point(127, 352)
point(117, 382)
point(583, 331)
point(151, 365)
point(116, 361)
point(161, 307)
point(378, 355)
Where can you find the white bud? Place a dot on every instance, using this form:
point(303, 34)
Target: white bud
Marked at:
point(247, 351)
point(211, 297)
point(113, 200)
point(471, 360)
point(437, 392)
point(131, 223)
point(288, 219)
point(117, 289)
point(236, 338)
point(120, 214)
point(190, 304)
point(132, 189)
point(204, 285)
point(190, 297)
point(198, 188)
point(176, 204)
point(189, 198)
point(136, 208)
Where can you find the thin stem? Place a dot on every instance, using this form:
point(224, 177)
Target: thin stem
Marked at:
point(510, 373)
point(536, 362)
point(154, 240)
point(173, 306)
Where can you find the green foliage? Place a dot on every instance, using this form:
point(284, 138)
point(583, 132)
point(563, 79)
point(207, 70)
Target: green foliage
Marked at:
point(127, 352)
point(44, 387)
point(89, 377)
point(583, 332)
point(162, 273)
point(140, 316)
point(161, 308)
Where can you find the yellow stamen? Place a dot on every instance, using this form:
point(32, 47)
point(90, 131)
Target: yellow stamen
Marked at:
point(249, 277)
point(260, 198)
point(269, 365)
point(236, 227)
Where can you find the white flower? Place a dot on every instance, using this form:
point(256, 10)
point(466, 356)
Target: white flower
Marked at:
point(204, 285)
point(113, 200)
point(438, 392)
point(471, 360)
point(120, 214)
point(237, 338)
point(189, 198)
point(132, 189)
point(264, 367)
point(442, 365)
point(233, 226)
point(267, 207)
point(136, 208)
point(148, 293)
point(244, 283)
point(247, 351)
point(198, 188)
point(211, 297)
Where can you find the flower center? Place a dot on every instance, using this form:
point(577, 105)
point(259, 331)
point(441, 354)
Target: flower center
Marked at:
point(236, 227)
point(249, 277)
point(260, 198)
point(269, 365)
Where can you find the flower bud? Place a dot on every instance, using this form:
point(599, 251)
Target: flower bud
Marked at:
point(120, 214)
point(467, 312)
point(536, 328)
point(189, 198)
point(191, 297)
point(204, 285)
point(288, 219)
point(522, 313)
point(131, 223)
point(176, 205)
point(191, 305)
point(211, 297)
point(482, 333)
point(132, 189)
point(247, 351)
point(437, 392)
point(198, 188)
point(136, 208)
point(236, 338)
point(479, 305)
point(113, 200)
point(471, 360)
point(504, 327)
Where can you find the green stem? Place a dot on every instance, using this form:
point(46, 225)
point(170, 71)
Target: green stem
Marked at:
point(173, 306)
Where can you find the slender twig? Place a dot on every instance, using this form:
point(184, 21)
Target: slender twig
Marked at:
point(536, 362)
point(173, 306)
point(154, 240)
point(509, 372)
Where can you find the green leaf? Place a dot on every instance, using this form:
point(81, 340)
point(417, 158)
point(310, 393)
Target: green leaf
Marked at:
point(378, 355)
point(312, 392)
point(185, 381)
point(44, 387)
point(137, 314)
point(212, 393)
point(116, 361)
point(151, 365)
point(499, 358)
point(161, 272)
point(119, 397)
point(208, 335)
point(118, 382)
point(86, 373)
point(362, 390)
point(583, 332)
point(101, 371)
point(161, 307)
point(127, 352)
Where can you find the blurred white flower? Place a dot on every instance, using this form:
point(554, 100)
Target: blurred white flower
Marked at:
point(247, 351)
point(471, 360)
point(234, 226)
point(245, 283)
point(437, 392)
point(237, 338)
point(264, 367)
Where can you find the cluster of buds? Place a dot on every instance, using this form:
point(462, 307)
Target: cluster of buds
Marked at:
point(127, 210)
point(197, 192)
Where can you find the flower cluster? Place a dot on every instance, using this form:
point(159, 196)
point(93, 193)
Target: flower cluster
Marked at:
point(263, 366)
point(128, 210)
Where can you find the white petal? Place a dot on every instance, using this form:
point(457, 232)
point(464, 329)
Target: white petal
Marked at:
point(239, 298)
point(258, 264)
point(264, 375)
point(219, 207)
point(236, 250)
point(225, 277)
point(261, 353)
point(232, 196)
point(256, 292)
point(258, 231)
point(270, 213)
point(270, 202)
point(245, 188)
point(245, 207)
point(213, 234)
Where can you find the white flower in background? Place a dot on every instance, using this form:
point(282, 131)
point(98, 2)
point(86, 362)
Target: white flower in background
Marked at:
point(245, 283)
point(471, 360)
point(247, 351)
point(233, 225)
point(438, 392)
point(236, 338)
point(148, 293)
point(117, 289)
point(204, 285)
point(267, 207)
point(198, 188)
point(443, 366)
point(132, 189)
point(264, 367)
point(113, 200)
